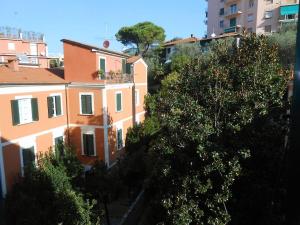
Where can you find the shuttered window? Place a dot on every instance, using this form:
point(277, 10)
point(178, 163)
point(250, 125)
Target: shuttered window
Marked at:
point(24, 110)
point(123, 66)
point(54, 106)
point(118, 102)
point(119, 139)
point(128, 68)
point(28, 157)
point(102, 64)
point(59, 145)
point(88, 144)
point(86, 104)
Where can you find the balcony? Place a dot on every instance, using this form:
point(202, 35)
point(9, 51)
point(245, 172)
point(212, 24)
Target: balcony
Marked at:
point(232, 29)
point(231, 1)
point(233, 13)
point(114, 77)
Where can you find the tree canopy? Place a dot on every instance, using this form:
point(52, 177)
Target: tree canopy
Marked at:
point(142, 35)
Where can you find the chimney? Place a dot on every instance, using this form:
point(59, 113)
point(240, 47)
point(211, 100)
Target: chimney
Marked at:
point(13, 64)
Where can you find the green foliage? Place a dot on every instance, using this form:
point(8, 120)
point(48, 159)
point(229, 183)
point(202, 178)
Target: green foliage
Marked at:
point(53, 63)
point(142, 35)
point(203, 112)
point(45, 196)
point(286, 41)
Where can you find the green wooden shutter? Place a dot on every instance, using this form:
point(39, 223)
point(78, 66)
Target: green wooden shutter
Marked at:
point(83, 104)
point(85, 144)
point(58, 105)
point(119, 101)
point(128, 68)
point(91, 144)
point(15, 112)
point(89, 108)
point(123, 66)
point(119, 139)
point(88, 144)
point(50, 107)
point(34, 109)
point(28, 156)
point(59, 146)
point(102, 64)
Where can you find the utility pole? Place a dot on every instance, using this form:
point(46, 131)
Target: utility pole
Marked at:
point(293, 175)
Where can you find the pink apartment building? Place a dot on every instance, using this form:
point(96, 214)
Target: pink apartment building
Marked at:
point(29, 47)
point(258, 16)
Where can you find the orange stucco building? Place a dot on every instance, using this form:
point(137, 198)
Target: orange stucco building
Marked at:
point(91, 104)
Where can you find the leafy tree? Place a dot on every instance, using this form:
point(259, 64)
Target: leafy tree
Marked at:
point(45, 196)
point(286, 41)
point(142, 35)
point(203, 111)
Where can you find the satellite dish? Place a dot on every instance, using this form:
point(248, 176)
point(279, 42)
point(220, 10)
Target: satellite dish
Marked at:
point(106, 44)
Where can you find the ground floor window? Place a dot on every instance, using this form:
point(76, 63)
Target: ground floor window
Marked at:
point(119, 139)
point(59, 145)
point(88, 144)
point(28, 158)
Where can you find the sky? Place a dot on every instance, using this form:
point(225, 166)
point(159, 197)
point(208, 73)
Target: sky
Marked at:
point(93, 21)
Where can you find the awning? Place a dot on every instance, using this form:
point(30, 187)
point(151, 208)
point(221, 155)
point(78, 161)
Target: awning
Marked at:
point(289, 9)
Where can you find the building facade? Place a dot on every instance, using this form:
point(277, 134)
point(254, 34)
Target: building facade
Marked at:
point(29, 47)
point(90, 106)
point(258, 16)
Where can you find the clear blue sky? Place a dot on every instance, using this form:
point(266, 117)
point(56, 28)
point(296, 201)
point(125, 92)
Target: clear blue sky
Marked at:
point(92, 21)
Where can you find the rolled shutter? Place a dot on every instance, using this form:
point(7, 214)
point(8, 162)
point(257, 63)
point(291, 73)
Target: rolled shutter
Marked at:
point(34, 109)
point(58, 105)
point(50, 107)
point(15, 112)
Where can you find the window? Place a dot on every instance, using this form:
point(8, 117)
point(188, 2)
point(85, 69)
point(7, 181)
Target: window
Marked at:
point(86, 104)
point(24, 110)
point(251, 3)
point(11, 46)
point(233, 9)
point(233, 22)
point(250, 17)
point(119, 139)
point(221, 12)
point(119, 101)
point(102, 65)
point(268, 14)
point(54, 106)
point(123, 66)
point(137, 97)
point(59, 145)
point(250, 30)
point(88, 140)
point(222, 24)
point(33, 49)
point(268, 29)
point(28, 158)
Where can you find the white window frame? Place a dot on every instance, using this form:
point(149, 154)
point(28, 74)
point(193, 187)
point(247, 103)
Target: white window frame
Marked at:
point(21, 98)
point(80, 107)
point(24, 144)
point(88, 131)
point(137, 97)
point(54, 104)
point(99, 66)
point(116, 93)
point(11, 46)
point(58, 133)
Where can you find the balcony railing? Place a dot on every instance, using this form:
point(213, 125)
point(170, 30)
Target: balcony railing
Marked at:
point(231, 29)
point(115, 77)
point(233, 12)
point(15, 33)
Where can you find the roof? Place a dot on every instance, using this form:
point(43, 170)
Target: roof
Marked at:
point(92, 47)
point(133, 59)
point(181, 41)
point(27, 75)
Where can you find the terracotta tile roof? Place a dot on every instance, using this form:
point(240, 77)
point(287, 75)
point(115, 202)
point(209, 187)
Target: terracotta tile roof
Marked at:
point(181, 41)
point(27, 75)
point(133, 59)
point(88, 46)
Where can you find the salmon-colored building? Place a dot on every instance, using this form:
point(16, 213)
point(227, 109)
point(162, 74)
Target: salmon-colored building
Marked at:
point(29, 47)
point(91, 104)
